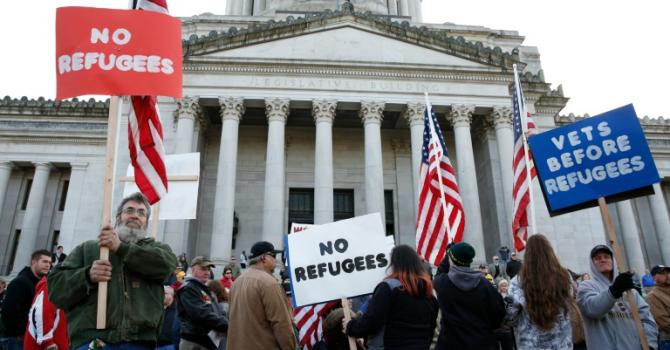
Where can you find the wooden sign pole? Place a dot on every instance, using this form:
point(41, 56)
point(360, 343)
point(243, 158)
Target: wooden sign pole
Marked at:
point(347, 317)
point(611, 233)
point(112, 126)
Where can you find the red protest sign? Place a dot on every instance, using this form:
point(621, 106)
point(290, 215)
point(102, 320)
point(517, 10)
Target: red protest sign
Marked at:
point(117, 52)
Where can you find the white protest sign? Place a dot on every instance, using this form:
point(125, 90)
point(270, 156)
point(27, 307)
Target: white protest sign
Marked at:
point(183, 171)
point(296, 227)
point(338, 260)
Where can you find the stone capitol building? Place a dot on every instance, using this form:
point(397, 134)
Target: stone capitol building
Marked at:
point(310, 112)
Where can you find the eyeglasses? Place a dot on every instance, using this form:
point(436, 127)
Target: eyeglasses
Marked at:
point(132, 211)
point(274, 255)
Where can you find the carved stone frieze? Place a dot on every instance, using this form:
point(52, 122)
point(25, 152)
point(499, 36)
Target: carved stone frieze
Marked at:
point(414, 113)
point(277, 109)
point(324, 110)
point(232, 108)
point(461, 115)
point(372, 111)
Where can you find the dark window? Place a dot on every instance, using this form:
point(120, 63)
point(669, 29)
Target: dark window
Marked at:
point(54, 240)
point(24, 203)
point(12, 256)
point(300, 206)
point(343, 204)
point(63, 195)
point(388, 205)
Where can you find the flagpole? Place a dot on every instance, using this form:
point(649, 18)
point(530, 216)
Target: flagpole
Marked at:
point(524, 136)
point(433, 133)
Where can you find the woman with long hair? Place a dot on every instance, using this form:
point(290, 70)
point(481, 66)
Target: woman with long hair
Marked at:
point(403, 310)
point(540, 299)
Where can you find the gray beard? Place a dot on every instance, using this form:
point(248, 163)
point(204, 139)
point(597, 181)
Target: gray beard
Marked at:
point(130, 235)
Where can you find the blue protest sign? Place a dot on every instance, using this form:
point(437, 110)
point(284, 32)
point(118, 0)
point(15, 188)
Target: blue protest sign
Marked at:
point(601, 156)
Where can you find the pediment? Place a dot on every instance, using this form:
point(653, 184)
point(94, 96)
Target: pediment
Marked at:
point(348, 45)
point(347, 37)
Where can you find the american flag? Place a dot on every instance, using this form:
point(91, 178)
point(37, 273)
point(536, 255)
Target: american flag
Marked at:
point(145, 134)
point(309, 320)
point(440, 219)
point(521, 190)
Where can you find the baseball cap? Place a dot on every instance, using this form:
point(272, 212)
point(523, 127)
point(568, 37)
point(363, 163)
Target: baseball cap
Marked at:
point(658, 269)
point(201, 261)
point(263, 247)
point(600, 248)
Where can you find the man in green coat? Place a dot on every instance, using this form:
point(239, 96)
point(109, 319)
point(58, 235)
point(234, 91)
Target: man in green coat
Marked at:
point(135, 272)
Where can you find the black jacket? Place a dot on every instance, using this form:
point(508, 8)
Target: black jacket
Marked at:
point(513, 268)
point(199, 313)
point(17, 303)
point(471, 309)
point(409, 321)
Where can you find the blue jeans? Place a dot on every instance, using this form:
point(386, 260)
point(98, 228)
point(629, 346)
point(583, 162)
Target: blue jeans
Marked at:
point(165, 347)
point(118, 346)
point(12, 343)
point(664, 345)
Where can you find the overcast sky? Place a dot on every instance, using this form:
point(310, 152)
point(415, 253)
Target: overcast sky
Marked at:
point(604, 53)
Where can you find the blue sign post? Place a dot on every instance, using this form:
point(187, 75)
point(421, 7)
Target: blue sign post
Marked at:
point(594, 161)
point(602, 156)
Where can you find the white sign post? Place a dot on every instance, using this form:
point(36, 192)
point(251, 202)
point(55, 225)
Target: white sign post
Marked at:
point(343, 259)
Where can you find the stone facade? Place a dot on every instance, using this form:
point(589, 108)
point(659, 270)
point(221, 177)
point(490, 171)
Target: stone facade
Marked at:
point(280, 99)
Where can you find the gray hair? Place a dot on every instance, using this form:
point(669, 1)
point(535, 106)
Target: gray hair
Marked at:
point(135, 197)
point(256, 260)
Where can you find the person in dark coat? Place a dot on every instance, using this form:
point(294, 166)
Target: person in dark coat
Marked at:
point(513, 266)
point(471, 307)
point(402, 307)
point(19, 297)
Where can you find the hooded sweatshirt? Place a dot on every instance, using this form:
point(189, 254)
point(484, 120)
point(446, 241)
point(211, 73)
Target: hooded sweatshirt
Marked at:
point(471, 309)
point(608, 321)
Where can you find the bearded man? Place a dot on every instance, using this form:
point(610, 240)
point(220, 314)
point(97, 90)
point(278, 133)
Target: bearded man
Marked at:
point(135, 272)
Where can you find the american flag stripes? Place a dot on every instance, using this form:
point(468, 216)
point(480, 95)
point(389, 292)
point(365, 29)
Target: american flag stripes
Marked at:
point(145, 134)
point(440, 219)
point(309, 320)
point(523, 173)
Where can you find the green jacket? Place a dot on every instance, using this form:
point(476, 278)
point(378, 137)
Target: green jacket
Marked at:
point(134, 295)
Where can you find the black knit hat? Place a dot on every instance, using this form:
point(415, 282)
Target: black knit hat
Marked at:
point(462, 254)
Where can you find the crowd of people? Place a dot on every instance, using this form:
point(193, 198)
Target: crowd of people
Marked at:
point(156, 300)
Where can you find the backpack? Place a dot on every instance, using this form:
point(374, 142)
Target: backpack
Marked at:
point(376, 341)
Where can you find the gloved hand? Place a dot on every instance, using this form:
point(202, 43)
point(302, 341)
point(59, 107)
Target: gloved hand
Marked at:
point(623, 282)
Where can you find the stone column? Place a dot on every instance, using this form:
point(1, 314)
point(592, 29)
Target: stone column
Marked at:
point(404, 7)
point(414, 115)
point(276, 110)
point(72, 205)
point(188, 110)
point(232, 109)
point(5, 173)
point(323, 112)
point(175, 232)
point(461, 117)
point(31, 219)
point(247, 7)
point(371, 115)
point(631, 237)
point(259, 6)
point(502, 119)
point(393, 7)
point(659, 212)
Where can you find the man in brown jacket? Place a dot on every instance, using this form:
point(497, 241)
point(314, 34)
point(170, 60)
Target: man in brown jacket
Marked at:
point(659, 303)
point(260, 318)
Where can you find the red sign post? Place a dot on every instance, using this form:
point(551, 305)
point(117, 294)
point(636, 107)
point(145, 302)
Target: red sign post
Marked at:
point(117, 52)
